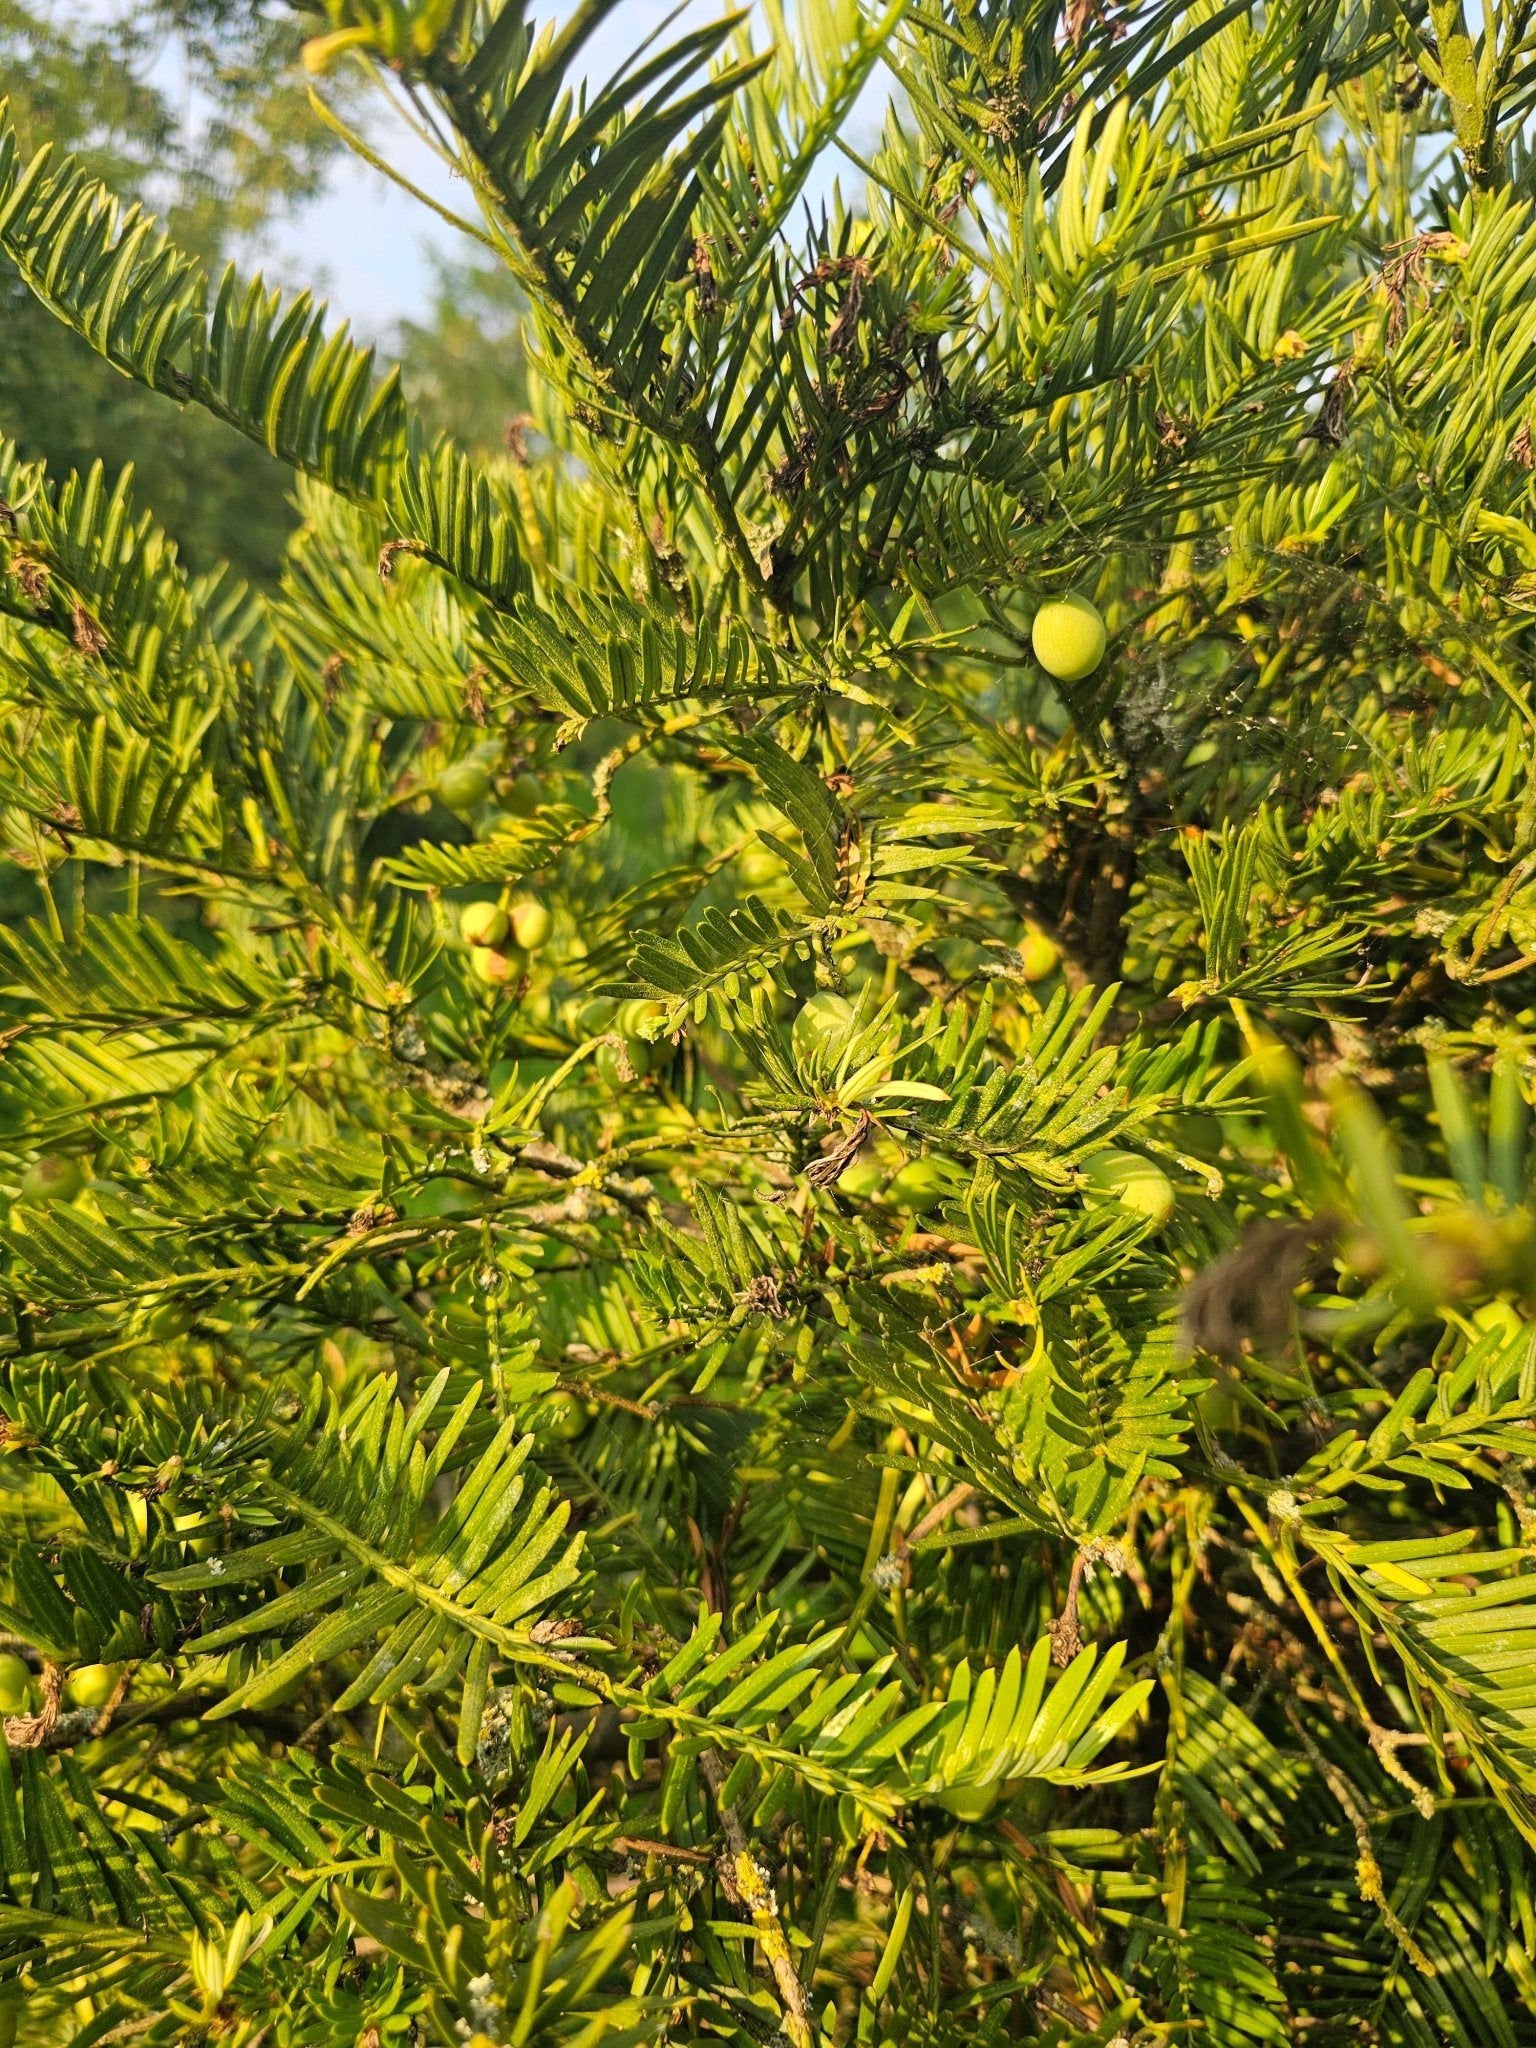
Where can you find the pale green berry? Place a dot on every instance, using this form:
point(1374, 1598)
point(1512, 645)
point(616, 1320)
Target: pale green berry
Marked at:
point(463, 785)
point(1068, 638)
point(1040, 956)
point(497, 969)
point(1136, 1183)
point(52, 1179)
point(531, 924)
point(822, 1028)
point(483, 924)
point(15, 1685)
point(92, 1685)
point(525, 795)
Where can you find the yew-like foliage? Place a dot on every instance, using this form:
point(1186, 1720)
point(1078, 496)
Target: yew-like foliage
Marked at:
point(739, 1303)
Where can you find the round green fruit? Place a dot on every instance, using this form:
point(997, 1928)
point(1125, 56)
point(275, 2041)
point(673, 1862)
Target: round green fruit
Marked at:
point(1039, 956)
point(483, 924)
point(563, 1417)
point(632, 1019)
point(525, 795)
point(463, 785)
point(92, 1685)
point(969, 1802)
point(1500, 1317)
point(1134, 1182)
point(1068, 638)
point(15, 1685)
point(822, 1028)
point(52, 1179)
point(588, 1018)
point(636, 1055)
point(531, 925)
point(862, 1179)
point(495, 968)
point(166, 1322)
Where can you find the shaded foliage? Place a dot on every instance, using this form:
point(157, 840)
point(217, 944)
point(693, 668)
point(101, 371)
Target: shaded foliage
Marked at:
point(727, 1316)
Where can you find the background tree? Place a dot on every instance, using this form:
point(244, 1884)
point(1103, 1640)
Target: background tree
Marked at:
point(83, 86)
point(804, 1313)
point(462, 363)
point(255, 153)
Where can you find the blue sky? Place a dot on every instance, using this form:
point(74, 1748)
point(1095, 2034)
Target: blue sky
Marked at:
point(364, 244)
point(368, 246)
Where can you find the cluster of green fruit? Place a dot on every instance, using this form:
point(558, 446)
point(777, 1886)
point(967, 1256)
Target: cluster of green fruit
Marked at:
point(914, 1186)
point(88, 1685)
point(501, 936)
point(466, 784)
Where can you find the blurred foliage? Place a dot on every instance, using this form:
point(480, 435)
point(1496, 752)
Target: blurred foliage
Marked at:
point(82, 84)
point(741, 1304)
point(463, 362)
point(256, 153)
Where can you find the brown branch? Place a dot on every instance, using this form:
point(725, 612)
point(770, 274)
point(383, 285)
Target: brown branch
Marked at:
point(939, 1512)
point(747, 1885)
point(31, 1731)
point(546, 1158)
point(642, 1845)
point(586, 1391)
